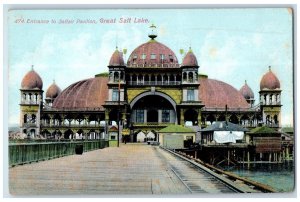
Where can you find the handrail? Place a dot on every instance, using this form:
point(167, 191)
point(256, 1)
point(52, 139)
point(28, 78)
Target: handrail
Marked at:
point(22, 153)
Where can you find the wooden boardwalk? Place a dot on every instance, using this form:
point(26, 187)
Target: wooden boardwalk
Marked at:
point(129, 169)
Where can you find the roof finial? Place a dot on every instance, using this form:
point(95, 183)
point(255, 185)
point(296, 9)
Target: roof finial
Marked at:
point(153, 32)
point(31, 67)
point(54, 81)
point(245, 81)
point(270, 68)
point(116, 41)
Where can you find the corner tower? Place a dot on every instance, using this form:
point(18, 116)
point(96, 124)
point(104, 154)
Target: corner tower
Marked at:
point(270, 99)
point(31, 104)
point(190, 106)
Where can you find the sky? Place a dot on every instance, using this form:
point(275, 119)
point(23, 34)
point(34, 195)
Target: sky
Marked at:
point(231, 45)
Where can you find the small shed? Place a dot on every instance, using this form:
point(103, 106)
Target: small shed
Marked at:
point(265, 139)
point(222, 132)
point(176, 137)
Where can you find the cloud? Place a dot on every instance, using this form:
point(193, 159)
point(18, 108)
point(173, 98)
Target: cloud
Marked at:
point(67, 60)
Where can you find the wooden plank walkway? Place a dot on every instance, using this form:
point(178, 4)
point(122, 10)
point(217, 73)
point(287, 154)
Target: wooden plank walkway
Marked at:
point(129, 169)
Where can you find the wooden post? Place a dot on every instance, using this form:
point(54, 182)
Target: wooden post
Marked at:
point(228, 157)
point(270, 157)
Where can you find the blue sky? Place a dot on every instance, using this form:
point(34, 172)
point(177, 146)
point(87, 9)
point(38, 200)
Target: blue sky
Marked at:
point(232, 45)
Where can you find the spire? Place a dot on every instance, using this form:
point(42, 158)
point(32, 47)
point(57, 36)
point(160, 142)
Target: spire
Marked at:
point(32, 68)
point(153, 32)
point(270, 68)
point(245, 82)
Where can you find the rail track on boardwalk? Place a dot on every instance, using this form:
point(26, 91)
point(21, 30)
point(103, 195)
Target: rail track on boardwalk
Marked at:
point(208, 179)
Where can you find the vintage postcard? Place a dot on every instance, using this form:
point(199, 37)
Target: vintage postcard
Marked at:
point(150, 101)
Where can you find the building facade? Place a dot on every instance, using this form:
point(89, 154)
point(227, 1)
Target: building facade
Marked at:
point(147, 93)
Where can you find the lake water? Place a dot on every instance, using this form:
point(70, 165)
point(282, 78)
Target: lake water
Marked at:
point(279, 176)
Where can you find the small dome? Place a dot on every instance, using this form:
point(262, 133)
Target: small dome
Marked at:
point(246, 91)
point(32, 81)
point(53, 91)
point(116, 59)
point(190, 59)
point(269, 81)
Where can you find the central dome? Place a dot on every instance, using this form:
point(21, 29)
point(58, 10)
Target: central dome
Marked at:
point(152, 54)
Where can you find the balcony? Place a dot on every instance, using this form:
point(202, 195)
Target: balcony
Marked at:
point(153, 83)
point(152, 124)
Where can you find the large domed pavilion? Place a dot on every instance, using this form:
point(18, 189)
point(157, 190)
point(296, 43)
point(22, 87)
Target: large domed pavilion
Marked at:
point(147, 93)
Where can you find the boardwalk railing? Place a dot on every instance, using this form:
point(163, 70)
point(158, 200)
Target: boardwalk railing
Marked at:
point(28, 152)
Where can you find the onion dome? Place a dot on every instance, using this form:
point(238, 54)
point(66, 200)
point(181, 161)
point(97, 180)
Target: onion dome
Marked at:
point(32, 80)
point(116, 59)
point(190, 59)
point(217, 94)
point(269, 81)
point(246, 91)
point(86, 94)
point(53, 91)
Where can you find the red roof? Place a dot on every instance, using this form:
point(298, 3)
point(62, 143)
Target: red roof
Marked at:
point(32, 81)
point(86, 94)
point(190, 60)
point(217, 94)
point(116, 59)
point(150, 53)
point(92, 93)
point(269, 81)
point(246, 91)
point(53, 91)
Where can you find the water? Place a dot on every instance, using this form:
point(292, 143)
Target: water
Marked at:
point(279, 176)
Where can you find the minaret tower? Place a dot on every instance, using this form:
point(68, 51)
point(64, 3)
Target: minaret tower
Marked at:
point(31, 103)
point(270, 99)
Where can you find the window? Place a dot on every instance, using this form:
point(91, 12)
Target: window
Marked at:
point(165, 115)
point(190, 95)
point(143, 56)
point(162, 56)
point(140, 116)
point(115, 95)
point(171, 58)
point(153, 56)
point(112, 137)
point(134, 59)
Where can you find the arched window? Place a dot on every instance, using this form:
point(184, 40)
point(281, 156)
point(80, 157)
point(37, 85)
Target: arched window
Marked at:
point(25, 118)
point(276, 119)
point(191, 77)
point(116, 76)
point(33, 118)
point(184, 76)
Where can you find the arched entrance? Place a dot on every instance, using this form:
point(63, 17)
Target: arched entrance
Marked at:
point(153, 108)
point(151, 111)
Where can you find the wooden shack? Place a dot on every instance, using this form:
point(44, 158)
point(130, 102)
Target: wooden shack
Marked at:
point(267, 144)
point(176, 137)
